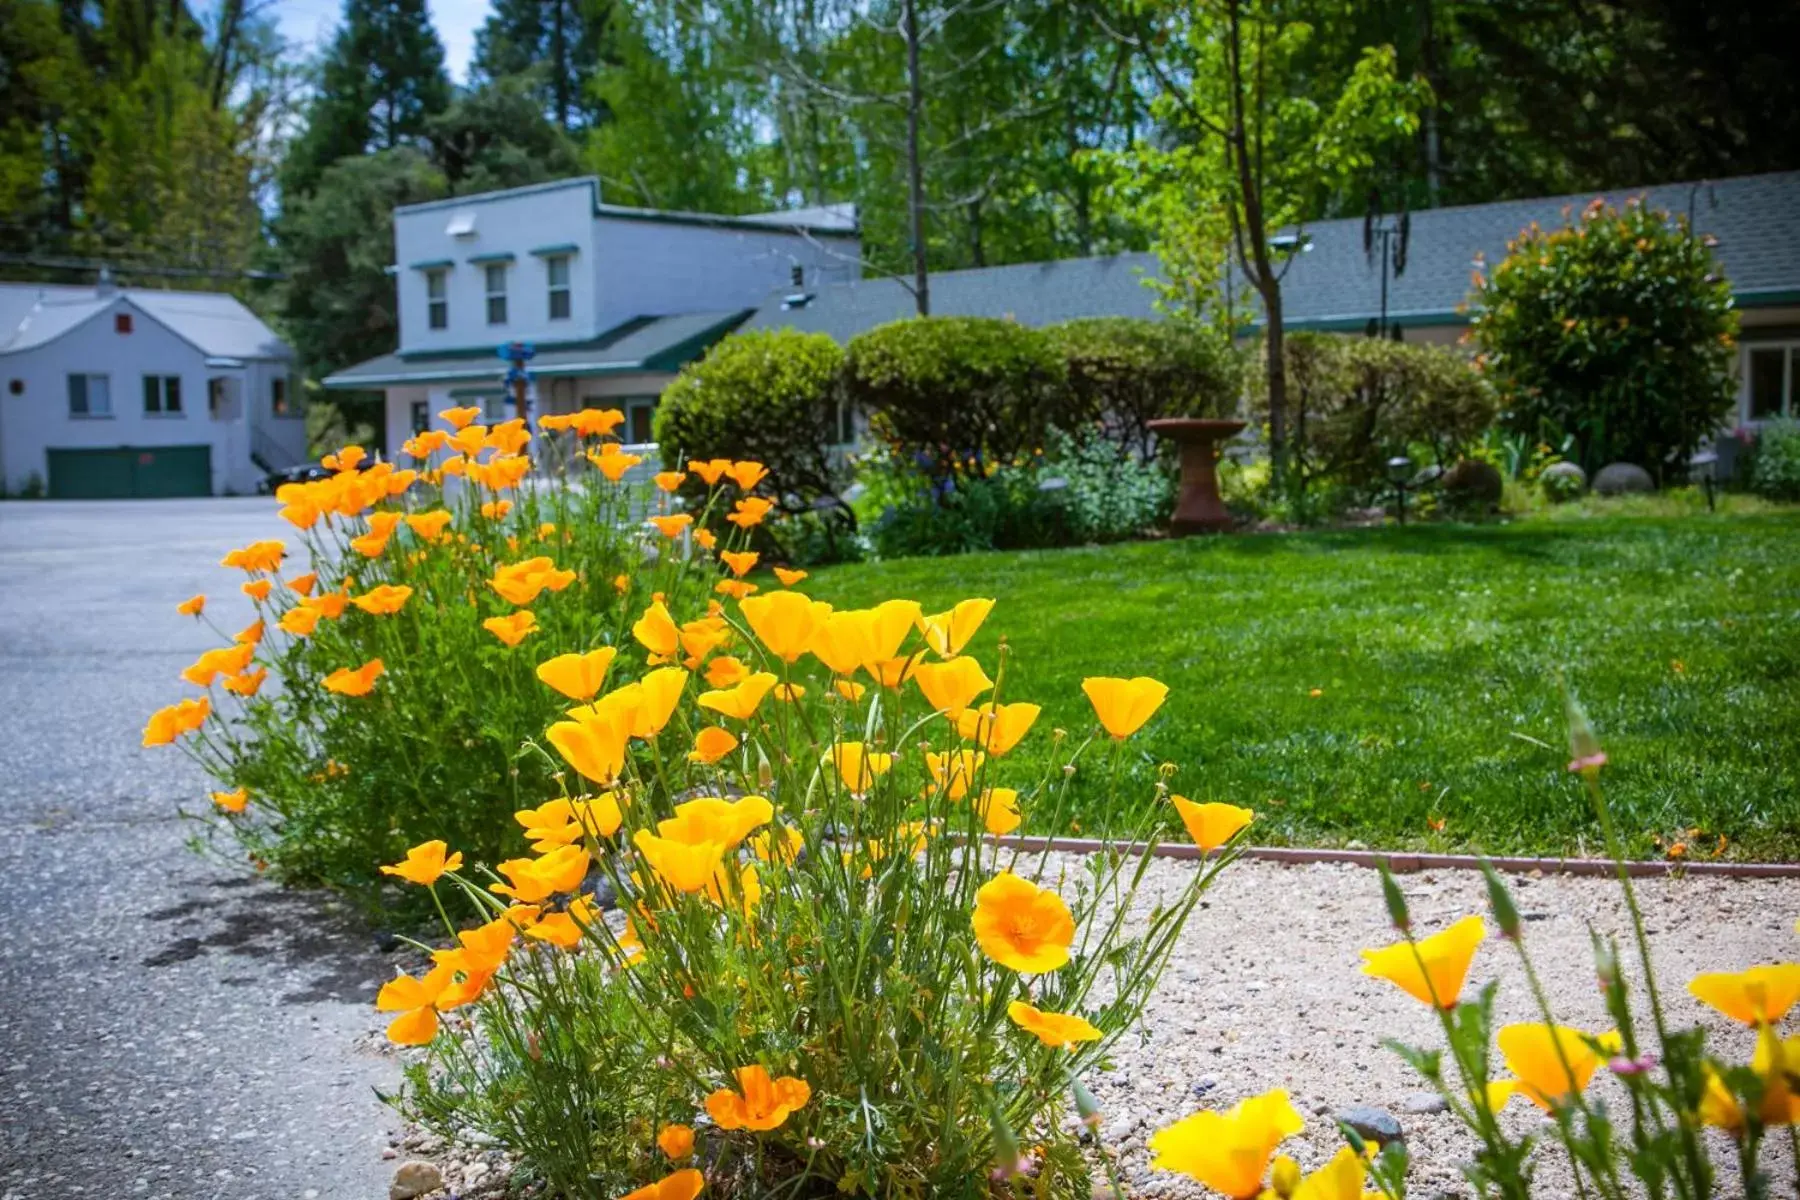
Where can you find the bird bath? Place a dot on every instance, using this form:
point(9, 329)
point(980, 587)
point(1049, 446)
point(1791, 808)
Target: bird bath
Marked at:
point(1198, 508)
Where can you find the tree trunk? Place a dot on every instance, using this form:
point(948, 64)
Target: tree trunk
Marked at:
point(1275, 342)
point(559, 63)
point(1428, 66)
point(915, 184)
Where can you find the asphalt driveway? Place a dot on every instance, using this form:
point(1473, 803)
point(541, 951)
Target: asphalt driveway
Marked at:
point(169, 1026)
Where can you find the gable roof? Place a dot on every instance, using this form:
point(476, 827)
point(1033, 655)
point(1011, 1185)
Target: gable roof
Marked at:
point(1333, 285)
point(821, 220)
point(215, 324)
point(642, 344)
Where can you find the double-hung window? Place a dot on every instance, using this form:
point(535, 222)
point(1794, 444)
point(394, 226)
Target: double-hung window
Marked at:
point(90, 396)
point(1772, 380)
point(556, 271)
point(437, 299)
point(494, 275)
point(162, 395)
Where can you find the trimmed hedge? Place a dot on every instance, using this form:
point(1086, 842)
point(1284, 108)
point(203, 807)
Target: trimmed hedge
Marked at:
point(1127, 371)
point(1355, 402)
point(768, 395)
point(959, 394)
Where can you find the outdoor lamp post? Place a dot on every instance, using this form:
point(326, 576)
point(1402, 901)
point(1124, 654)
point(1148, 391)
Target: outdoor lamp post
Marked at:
point(1399, 472)
point(1706, 465)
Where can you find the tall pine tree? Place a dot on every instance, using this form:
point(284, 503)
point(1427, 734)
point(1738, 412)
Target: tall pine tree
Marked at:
point(380, 83)
point(557, 45)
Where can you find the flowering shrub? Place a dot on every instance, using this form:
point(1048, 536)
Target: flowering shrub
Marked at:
point(767, 943)
point(431, 619)
point(1674, 1088)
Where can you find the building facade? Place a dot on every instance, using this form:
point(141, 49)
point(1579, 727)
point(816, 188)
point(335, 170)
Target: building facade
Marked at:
point(612, 300)
point(116, 392)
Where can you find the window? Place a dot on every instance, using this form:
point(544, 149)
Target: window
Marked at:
point(437, 299)
point(421, 416)
point(281, 397)
point(495, 274)
point(556, 268)
point(846, 424)
point(90, 396)
point(496, 407)
point(121, 322)
point(640, 416)
point(162, 395)
point(1770, 381)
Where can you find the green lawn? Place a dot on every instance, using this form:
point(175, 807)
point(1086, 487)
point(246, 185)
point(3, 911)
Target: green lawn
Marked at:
point(1434, 650)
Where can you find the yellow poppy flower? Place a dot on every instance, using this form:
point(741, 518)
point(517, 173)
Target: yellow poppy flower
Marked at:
point(740, 700)
point(787, 577)
point(530, 880)
point(523, 582)
point(1531, 1054)
point(726, 671)
point(193, 606)
point(747, 474)
point(416, 1002)
point(264, 556)
point(999, 810)
point(565, 929)
point(712, 819)
point(785, 843)
point(948, 632)
point(1446, 956)
point(759, 1103)
point(384, 600)
point(1229, 1151)
point(593, 742)
point(247, 684)
point(682, 1185)
point(683, 867)
point(1777, 1064)
point(225, 660)
point(1051, 1028)
point(858, 767)
point(577, 676)
point(849, 689)
point(493, 510)
point(669, 481)
point(997, 728)
point(512, 630)
point(425, 863)
point(672, 526)
point(676, 1141)
point(954, 770)
point(596, 422)
point(329, 605)
point(257, 589)
point(429, 525)
point(167, 724)
point(1340, 1179)
point(1123, 705)
point(303, 585)
point(613, 462)
point(711, 744)
point(359, 681)
point(1211, 825)
point(231, 802)
point(1757, 996)
point(460, 418)
point(706, 539)
point(658, 694)
point(786, 623)
point(953, 685)
point(711, 471)
point(1022, 926)
point(740, 561)
point(299, 621)
point(657, 632)
point(749, 512)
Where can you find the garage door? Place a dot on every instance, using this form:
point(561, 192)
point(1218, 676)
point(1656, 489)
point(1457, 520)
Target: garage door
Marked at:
point(128, 472)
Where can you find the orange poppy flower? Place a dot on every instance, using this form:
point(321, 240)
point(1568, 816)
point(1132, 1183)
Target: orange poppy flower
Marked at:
point(759, 1103)
point(711, 471)
point(785, 622)
point(425, 863)
point(193, 606)
point(513, 629)
point(257, 589)
point(416, 1002)
point(953, 685)
point(740, 561)
point(997, 728)
point(384, 600)
point(747, 474)
point(304, 584)
point(711, 744)
point(1022, 926)
point(673, 525)
point(358, 682)
point(1123, 705)
point(246, 684)
point(669, 481)
point(167, 724)
point(724, 671)
point(742, 699)
point(676, 1141)
point(231, 802)
point(1213, 824)
point(789, 578)
point(682, 1185)
point(1051, 1028)
point(1431, 970)
point(577, 676)
point(749, 512)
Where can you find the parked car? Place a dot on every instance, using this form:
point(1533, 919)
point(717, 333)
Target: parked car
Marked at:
point(304, 473)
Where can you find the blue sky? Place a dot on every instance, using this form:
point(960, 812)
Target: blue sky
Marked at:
point(309, 24)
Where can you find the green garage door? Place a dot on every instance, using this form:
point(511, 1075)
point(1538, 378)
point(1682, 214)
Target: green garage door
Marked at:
point(129, 472)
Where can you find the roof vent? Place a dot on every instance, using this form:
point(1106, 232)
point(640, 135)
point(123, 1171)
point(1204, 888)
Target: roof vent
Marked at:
point(796, 300)
point(462, 224)
point(104, 286)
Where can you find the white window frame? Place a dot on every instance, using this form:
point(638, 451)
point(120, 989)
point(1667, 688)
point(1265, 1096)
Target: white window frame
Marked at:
point(284, 394)
point(1790, 380)
point(437, 298)
point(489, 273)
point(88, 411)
point(565, 290)
point(157, 386)
point(419, 416)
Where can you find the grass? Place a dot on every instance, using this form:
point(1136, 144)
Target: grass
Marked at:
point(1398, 687)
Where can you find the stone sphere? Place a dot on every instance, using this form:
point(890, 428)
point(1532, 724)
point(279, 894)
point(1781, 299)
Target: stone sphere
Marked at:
point(1563, 481)
point(1621, 479)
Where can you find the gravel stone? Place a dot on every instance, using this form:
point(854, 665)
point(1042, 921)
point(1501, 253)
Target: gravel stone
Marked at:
point(415, 1179)
point(1424, 1103)
point(1377, 1125)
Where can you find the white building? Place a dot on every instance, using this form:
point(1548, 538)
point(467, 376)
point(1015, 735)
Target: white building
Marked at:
point(108, 391)
point(612, 300)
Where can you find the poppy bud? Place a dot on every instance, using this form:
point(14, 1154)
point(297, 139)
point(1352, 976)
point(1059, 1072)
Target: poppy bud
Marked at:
point(1500, 901)
point(1396, 900)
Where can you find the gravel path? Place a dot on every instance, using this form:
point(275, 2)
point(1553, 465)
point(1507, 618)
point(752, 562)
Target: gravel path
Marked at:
point(168, 1027)
point(1265, 991)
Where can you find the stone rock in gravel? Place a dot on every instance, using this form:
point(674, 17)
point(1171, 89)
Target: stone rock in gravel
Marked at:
point(1373, 1124)
point(1121, 1127)
point(1424, 1103)
point(415, 1179)
point(1618, 479)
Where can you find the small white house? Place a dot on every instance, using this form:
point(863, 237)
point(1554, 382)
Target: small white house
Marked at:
point(612, 300)
point(122, 392)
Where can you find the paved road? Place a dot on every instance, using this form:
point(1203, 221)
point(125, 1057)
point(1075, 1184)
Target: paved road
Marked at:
point(168, 1027)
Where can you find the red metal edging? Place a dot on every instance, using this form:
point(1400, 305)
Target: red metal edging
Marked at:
point(1404, 862)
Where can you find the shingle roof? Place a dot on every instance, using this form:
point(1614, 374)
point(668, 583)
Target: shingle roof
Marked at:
point(219, 326)
point(641, 344)
point(1333, 285)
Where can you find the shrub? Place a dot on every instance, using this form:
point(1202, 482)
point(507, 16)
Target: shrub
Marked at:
point(957, 394)
point(1617, 330)
point(1127, 371)
point(1775, 461)
point(816, 944)
point(768, 395)
point(405, 654)
point(1357, 402)
point(1472, 487)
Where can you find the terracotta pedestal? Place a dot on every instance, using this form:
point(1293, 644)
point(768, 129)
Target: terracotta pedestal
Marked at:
point(1198, 509)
